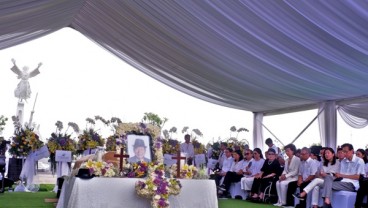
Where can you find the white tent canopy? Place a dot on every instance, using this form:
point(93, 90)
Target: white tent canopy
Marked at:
point(267, 57)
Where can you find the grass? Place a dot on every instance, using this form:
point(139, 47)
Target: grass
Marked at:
point(37, 200)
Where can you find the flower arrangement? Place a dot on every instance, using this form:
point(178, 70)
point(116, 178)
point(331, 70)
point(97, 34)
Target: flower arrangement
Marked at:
point(24, 140)
point(139, 170)
point(170, 146)
point(146, 129)
point(114, 141)
point(214, 150)
point(198, 147)
point(186, 172)
point(90, 139)
point(60, 141)
point(100, 168)
point(157, 186)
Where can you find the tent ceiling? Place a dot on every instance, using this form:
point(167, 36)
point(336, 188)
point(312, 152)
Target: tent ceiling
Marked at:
point(260, 56)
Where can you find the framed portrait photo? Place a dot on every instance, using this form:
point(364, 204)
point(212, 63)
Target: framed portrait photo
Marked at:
point(139, 148)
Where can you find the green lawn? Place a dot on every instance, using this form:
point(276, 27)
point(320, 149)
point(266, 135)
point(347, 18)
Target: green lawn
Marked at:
point(33, 200)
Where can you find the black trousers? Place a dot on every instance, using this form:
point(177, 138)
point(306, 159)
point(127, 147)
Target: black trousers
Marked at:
point(231, 177)
point(362, 192)
point(260, 184)
point(292, 186)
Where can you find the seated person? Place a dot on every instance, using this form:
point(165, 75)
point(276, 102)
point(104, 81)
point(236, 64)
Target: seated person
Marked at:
point(330, 166)
point(226, 166)
point(139, 152)
point(252, 169)
point(307, 172)
point(363, 180)
point(289, 174)
point(348, 176)
point(270, 170)
point(235, 173)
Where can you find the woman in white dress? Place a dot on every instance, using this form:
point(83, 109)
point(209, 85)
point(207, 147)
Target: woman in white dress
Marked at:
point(290, 173)
point(330, 166)
point(235, 173)
point(252, 169)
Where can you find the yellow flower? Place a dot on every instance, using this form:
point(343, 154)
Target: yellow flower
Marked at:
point(89, 164)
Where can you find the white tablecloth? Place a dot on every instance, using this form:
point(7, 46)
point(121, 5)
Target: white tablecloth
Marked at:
point(120, 192)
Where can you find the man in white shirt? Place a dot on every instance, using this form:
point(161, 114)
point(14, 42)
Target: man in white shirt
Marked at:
point(307, 172)
point(348, 178)
point(270, 144)
point(187, 149)
point(227, 163)
point(222, 155)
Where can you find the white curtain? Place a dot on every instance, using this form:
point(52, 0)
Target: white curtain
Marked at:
point(355, 115)
point(258, 130)
point(257, 56)
point(328, 124)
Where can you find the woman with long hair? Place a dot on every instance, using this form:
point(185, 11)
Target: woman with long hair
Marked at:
point(329, 168)
point(252, 169)
point(235, 174)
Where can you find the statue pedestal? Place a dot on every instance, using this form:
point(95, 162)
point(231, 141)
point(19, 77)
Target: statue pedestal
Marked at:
point(20, 112)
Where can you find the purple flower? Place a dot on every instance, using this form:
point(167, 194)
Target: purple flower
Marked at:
point(141, 184)
point(162, 202)
point(143, 126)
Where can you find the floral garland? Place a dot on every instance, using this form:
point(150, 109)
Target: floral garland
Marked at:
point(139, 170)
point(24, 141)
point(158, 187)
point(114, 141)
point(90, 139)
point(146, 129)
point(186, 172)
point(100, 168)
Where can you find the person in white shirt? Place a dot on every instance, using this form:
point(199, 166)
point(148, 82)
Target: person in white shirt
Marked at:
point(289, 174)
point(222, 156)
point(187, 149)
point(329, 166)
point(270, 144)
point(347, 179)
point(253, 168)
point(307, 172)
point(235, 174)
point(227, 163)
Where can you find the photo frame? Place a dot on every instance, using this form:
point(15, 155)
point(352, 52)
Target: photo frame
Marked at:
point(139, 148)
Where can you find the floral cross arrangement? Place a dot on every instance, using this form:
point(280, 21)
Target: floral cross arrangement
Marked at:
point(24, 140)
point(157, 186)
point(139, 170)
point(186, 172)
point(100, 168)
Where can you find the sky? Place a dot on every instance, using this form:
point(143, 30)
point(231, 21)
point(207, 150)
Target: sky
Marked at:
point(80, 79)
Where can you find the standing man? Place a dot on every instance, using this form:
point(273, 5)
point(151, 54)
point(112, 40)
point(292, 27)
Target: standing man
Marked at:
point(222, 156)
point(270, 144)
point(188, 149)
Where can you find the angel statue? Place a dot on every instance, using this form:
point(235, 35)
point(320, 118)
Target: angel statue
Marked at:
point(23, 90)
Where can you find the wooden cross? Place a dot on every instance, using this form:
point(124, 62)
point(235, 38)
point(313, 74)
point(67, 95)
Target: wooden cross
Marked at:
point(178, 158)
point(121, 156)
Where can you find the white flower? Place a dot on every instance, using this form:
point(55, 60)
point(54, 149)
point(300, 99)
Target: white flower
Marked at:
point(157, 197)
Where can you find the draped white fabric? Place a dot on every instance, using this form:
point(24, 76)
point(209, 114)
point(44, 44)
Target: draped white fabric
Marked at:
point(356, 115)
point(328, 124)
point(260, 56)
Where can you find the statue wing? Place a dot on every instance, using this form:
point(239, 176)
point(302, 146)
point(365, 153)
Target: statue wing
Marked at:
point(16, 70)
point(34, 73)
